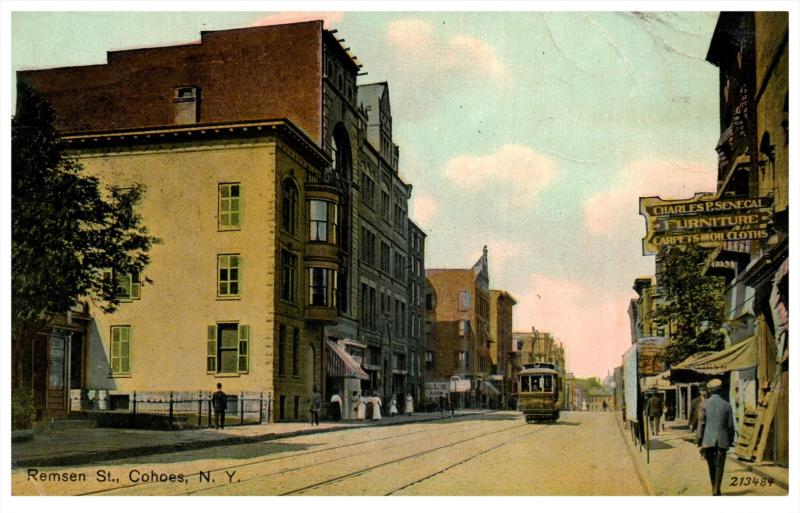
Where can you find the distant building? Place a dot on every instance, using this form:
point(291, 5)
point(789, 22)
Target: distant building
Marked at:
point(457, 302)
point(642, 309)
point(534, 347)
point(597, 397)
point(501, 305)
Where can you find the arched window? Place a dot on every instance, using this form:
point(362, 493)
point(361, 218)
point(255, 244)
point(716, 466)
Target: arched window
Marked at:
point(289, 206)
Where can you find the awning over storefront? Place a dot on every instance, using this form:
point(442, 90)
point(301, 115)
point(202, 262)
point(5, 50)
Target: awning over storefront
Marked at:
point(487, 387)
point(736, 357)
point(659, 382)
point(341, 364)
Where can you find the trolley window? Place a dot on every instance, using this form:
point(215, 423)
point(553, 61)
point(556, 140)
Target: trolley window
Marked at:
point(536, 383)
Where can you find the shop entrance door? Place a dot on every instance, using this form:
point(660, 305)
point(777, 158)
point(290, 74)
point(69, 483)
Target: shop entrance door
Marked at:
point(56, 396)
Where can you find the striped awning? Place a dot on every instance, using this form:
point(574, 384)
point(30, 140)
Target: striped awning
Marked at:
point(341, 364)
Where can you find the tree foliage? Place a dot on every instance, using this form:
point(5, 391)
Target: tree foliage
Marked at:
point(692, 304)
point(66, 229)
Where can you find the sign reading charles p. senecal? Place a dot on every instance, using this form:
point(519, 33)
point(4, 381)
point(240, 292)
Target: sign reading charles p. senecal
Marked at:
point(704, 220)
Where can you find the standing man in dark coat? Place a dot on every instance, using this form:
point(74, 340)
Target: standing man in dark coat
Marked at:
point(715, 433)
point(314, 406)
point(654, 409)
point(220, 402)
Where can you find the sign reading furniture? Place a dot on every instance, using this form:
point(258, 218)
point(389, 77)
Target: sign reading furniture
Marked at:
point(705, 220)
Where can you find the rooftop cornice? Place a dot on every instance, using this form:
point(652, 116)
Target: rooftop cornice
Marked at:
point(174, 133)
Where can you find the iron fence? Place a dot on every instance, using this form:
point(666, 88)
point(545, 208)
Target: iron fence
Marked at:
point(196, 407)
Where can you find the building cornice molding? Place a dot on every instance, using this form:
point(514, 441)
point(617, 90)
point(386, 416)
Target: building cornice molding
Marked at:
point(197, 132)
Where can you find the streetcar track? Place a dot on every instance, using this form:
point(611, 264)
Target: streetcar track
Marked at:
point(441, 471)
point(404, 458)
point(304, 467)
point(443, 429)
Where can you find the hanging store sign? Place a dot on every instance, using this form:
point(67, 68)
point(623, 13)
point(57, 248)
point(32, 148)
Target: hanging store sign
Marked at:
point(705, 220)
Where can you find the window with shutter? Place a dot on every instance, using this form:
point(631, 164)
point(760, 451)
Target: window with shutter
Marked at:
point(244, 350)
point(120, 349)
point(211, 355)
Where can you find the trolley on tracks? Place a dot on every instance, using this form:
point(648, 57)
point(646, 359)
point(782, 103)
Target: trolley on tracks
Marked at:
point(539, 392)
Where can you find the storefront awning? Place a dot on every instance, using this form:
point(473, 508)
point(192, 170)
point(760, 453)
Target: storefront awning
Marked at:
point(736, 357)
point(341, 364)
point(487, 387)
point(659, 382)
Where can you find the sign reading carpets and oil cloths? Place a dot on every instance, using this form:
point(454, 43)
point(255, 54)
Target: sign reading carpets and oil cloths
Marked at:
point(705, 220)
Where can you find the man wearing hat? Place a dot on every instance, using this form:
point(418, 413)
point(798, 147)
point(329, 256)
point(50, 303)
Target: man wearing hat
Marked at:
point(715, 433)
point(654, 409)
point(696, 408)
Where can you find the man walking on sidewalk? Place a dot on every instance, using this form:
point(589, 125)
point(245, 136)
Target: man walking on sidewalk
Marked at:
point(715, 433)
point(220, 403)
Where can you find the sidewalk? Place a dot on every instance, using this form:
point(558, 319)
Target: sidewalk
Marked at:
point(677, 468)
point(89, 444)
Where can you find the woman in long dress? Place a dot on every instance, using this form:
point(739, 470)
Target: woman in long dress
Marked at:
point(376, 408)
point(361, 411)
point(392, 407)
point(409, 404)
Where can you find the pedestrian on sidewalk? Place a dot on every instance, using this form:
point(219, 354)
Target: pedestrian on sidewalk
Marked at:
point(654, 409)
point(409, 404)
point(452, 403)
point(361, 408)
point(441, 404)
point(220, 403)
point(715, 434)
point(696, 409)
point(605, 405)
point(376, 407)
point(314, 405)
point(336, 406)
point(392, 407)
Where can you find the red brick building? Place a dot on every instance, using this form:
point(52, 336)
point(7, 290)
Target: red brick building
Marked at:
point(459, 342)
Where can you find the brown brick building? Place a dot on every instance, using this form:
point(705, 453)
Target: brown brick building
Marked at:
point(459, 342)
point(501, 305)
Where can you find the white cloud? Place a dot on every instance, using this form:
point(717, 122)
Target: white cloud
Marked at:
point(616, 210)
point(416, 44)
point(520, 172)
point(279, 18)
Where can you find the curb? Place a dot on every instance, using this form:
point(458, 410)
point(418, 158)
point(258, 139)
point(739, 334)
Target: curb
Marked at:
point(97, 456)
point(641, 472)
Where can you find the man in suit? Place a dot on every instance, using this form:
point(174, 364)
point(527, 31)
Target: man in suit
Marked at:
point(715, 433)
point(220, 403)
point(654, 409)
point(696, 409)
point(314, 405)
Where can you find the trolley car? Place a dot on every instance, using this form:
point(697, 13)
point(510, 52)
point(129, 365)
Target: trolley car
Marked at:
point(539, 392)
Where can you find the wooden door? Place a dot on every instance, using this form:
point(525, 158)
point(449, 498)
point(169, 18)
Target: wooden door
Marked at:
point(56, 396)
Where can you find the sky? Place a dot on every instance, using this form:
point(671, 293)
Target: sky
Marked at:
point(533, 133)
